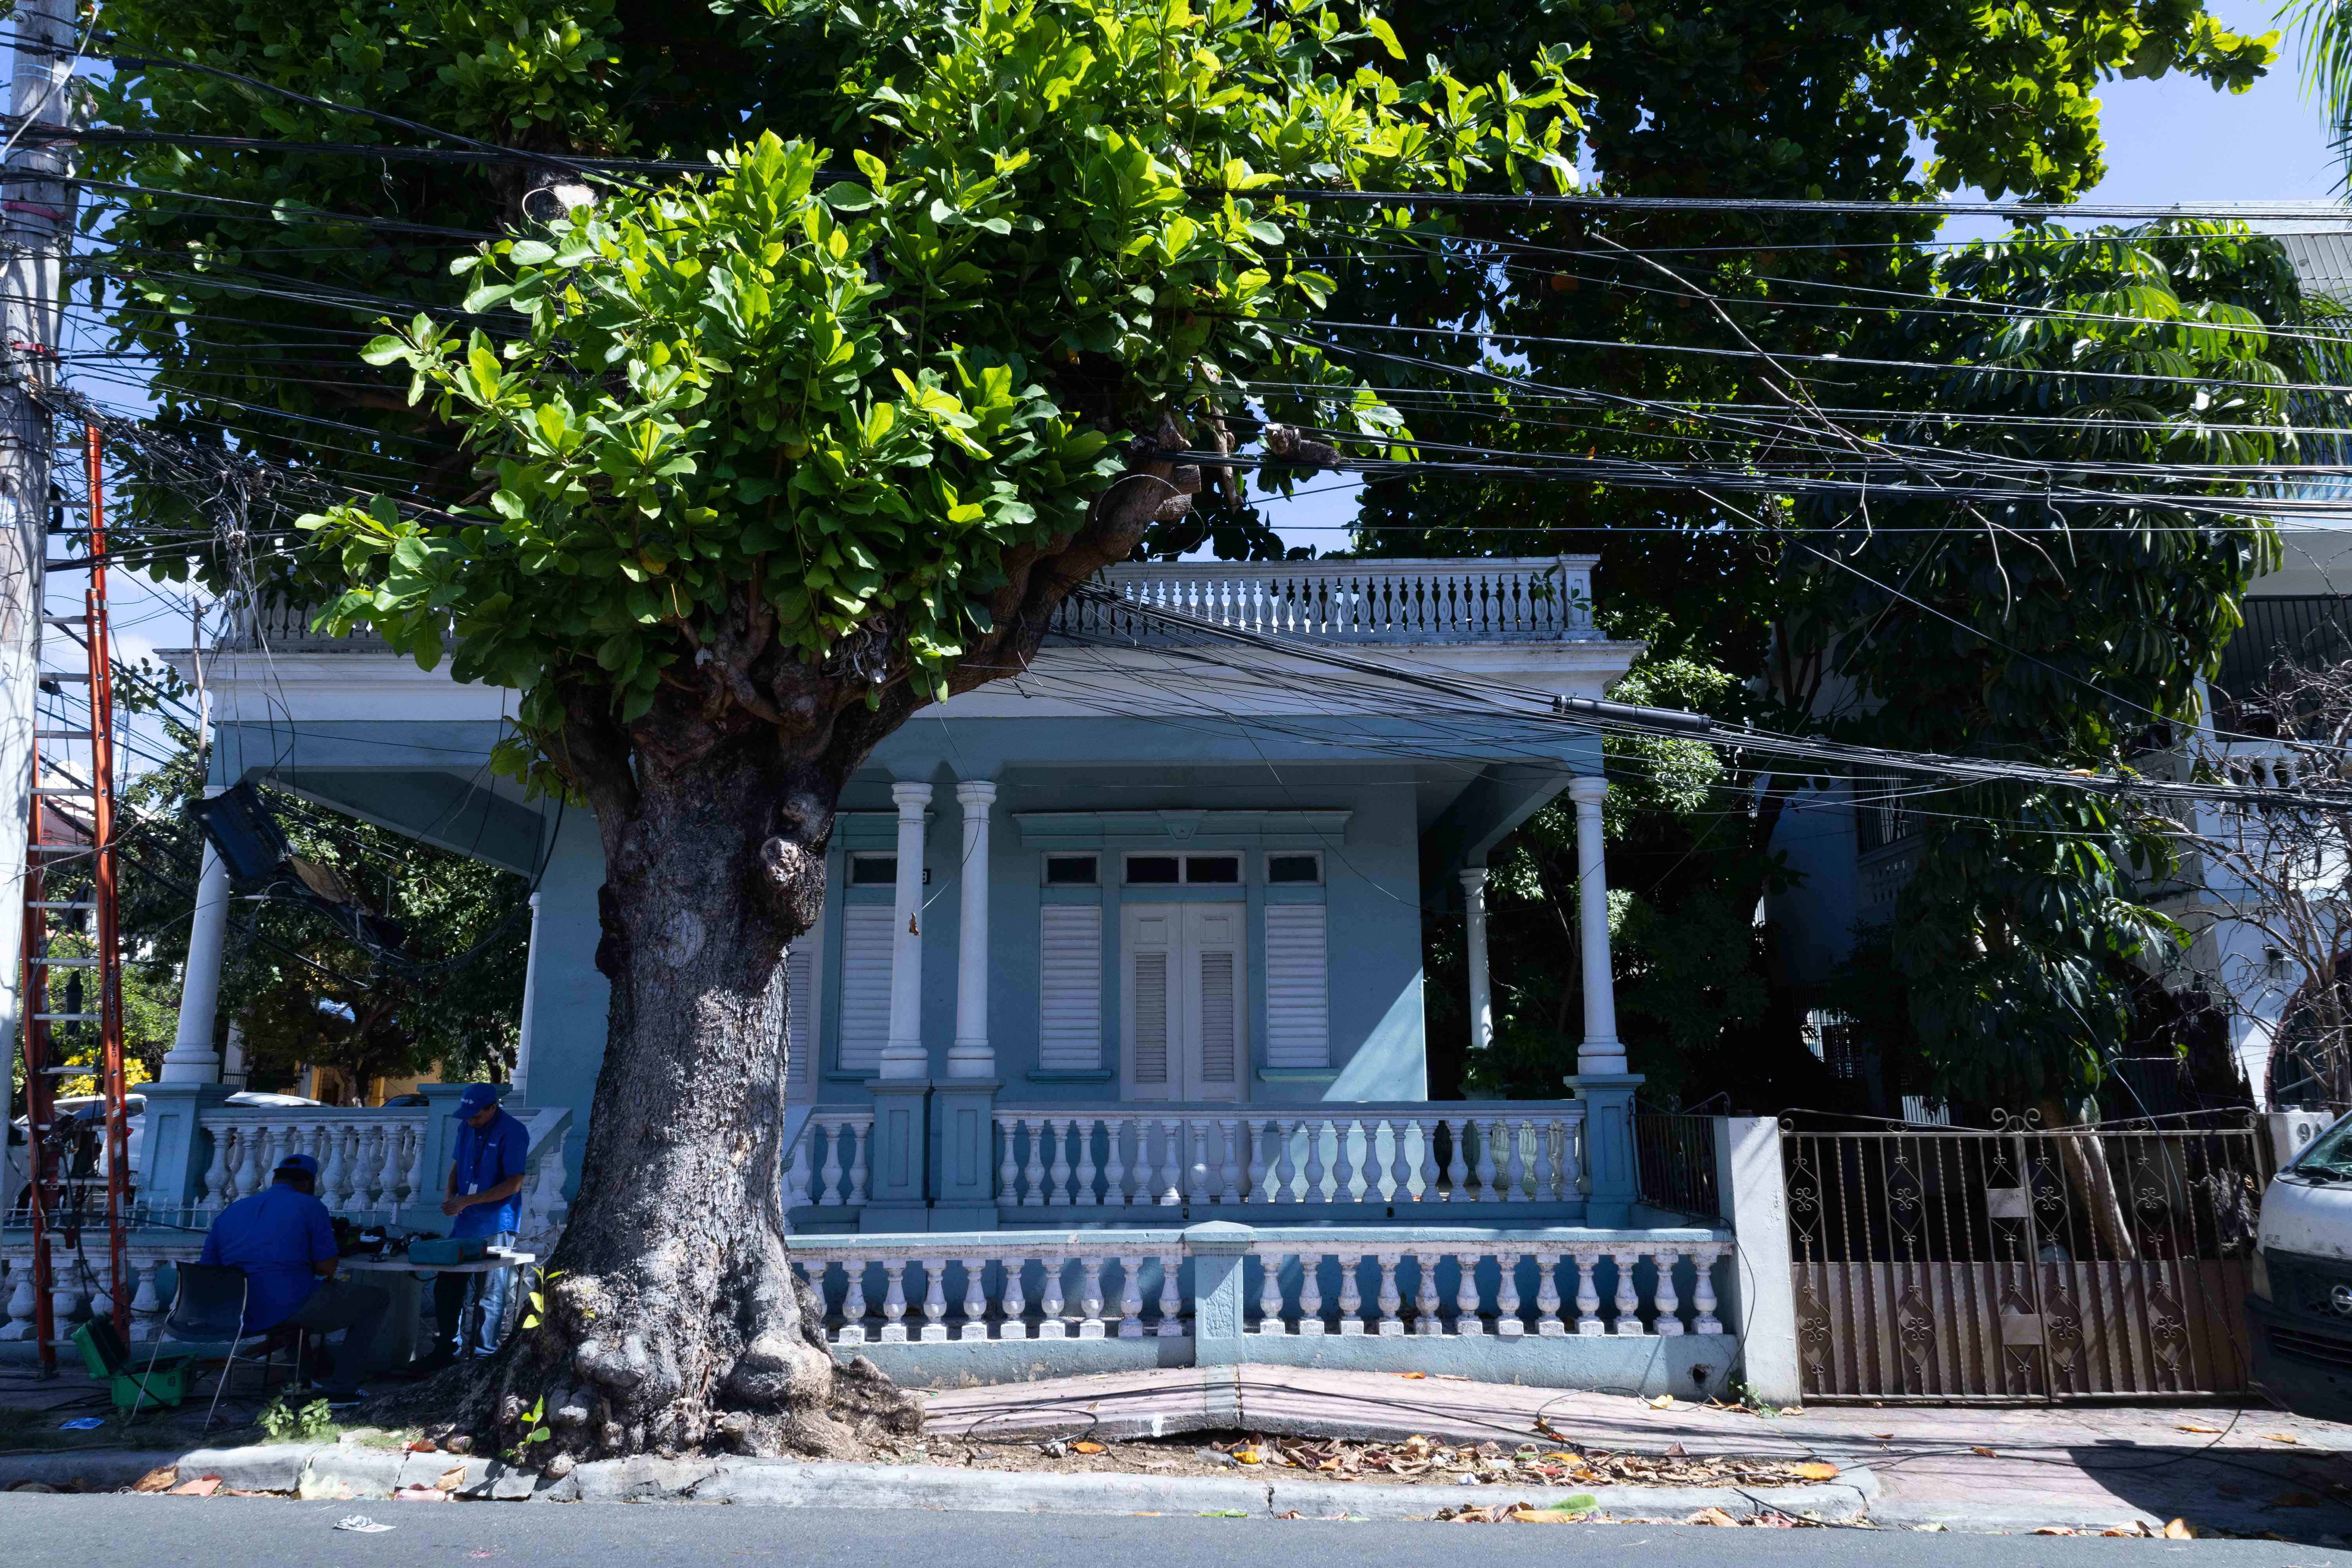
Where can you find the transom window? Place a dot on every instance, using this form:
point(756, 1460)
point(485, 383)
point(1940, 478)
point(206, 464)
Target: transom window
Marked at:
point(868, 869)
point(1190, 870)
point(1073, 870)
point(1302, 870)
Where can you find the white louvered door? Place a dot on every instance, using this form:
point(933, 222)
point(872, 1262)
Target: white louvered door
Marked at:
point(865, 953)
point(1186, 971)
point(1150, 946)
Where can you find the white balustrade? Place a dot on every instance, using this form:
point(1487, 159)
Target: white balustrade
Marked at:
point(1528, 599)
point(1467, 1304)
point(1364, 1154)
point(367, 1158)
point(996, 1301)
point(829, 1165)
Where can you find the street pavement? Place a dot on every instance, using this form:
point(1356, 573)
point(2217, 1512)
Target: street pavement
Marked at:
point(259, 1533)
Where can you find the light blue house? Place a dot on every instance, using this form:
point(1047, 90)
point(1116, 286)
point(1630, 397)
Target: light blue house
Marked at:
point(1116, 952)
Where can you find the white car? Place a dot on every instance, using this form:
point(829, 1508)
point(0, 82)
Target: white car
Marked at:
point(2299, 1305)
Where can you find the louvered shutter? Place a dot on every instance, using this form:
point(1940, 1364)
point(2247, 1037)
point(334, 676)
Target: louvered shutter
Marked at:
point(1069, 989)
point(800, 1012)
point(1151, 949)
point(1214, 934)
point(866, 945)
point(1297, 987)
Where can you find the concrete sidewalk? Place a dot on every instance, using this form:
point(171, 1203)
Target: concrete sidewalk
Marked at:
point(1967, 1468)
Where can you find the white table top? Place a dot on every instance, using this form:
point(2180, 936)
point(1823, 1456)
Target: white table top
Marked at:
point(490, 1261)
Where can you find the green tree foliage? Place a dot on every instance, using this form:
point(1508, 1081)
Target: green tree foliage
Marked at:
point(2020, 626)
point(303, 992)
point(854, 398)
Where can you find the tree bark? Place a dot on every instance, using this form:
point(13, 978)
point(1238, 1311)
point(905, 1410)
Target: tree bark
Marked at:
point(673, 1321)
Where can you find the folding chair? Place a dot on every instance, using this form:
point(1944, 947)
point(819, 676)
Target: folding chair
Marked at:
point(209, 1304)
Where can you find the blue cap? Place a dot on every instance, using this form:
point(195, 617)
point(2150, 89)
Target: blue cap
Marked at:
point(303, 1162)
point(478, 1098)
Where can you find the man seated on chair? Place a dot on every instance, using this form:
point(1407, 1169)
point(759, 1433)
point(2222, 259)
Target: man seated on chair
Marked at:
point(484, 1200)
point(284, 1242)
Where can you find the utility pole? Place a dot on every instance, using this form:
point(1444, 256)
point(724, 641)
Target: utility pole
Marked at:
point(36, 226)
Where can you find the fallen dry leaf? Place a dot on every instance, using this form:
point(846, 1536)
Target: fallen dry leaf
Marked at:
point(161, 1480)
point(2181, 1529)
point(2281, 1437)
point(1711, 1516)
point(1816, 1470)
point(1662, 1402)
point(1086, 1447)
point(203, 1486)
point(423, 1446)
point(1411, 1374)
point(1882, 1436)
point(1987, 1453)
point(1546, 1516)
point(2188, 1426)
point(452, 1478)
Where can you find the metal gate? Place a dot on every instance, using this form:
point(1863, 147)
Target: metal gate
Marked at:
point(2024, 1262)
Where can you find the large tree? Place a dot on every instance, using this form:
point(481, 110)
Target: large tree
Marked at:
point(772, 458)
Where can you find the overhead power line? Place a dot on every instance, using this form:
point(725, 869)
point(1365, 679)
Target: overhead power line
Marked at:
point(2243, 212)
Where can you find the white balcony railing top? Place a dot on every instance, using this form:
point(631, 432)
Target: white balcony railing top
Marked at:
point(1502, 600)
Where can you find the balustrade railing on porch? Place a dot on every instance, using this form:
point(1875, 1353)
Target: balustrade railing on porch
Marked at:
point(368, 1172)
point(1463, 600)
point(1141, 1157)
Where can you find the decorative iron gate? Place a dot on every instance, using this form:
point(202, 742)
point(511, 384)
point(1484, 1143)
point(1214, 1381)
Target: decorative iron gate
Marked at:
point(2024, 1263)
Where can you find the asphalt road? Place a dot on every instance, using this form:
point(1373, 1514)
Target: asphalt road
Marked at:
point(239, 1532)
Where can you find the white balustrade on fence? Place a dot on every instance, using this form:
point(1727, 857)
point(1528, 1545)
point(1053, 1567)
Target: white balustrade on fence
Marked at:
point(829, 1160)
point(1361, 1155)
point(1491, 1289)
point(1007, 1288)
point(1537, 599)
point(1127, 1284)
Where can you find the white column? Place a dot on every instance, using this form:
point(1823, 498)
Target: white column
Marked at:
point(971, 1056)
point(191, 1059)
point(1601, 1052)
point(903, 1056)
point(521, 1093)
point(1482, 1000)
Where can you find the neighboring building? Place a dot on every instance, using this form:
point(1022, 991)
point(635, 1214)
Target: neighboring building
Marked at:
point(1855, 842)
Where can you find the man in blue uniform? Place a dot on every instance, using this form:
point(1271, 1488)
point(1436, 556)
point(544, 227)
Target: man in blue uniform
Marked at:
point(484, 1199)
point(283, 1241)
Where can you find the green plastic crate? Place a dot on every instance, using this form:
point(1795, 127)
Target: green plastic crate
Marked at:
point(110, 1362)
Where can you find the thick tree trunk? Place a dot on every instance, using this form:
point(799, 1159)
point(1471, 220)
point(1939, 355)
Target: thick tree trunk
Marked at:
point(673, 1321)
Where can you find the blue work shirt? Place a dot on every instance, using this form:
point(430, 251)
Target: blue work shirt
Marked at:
point(484, 1160)
point(274, 1236)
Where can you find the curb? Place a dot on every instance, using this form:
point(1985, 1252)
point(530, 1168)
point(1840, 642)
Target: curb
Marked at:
point(786, 1483)
point(327, 1470)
